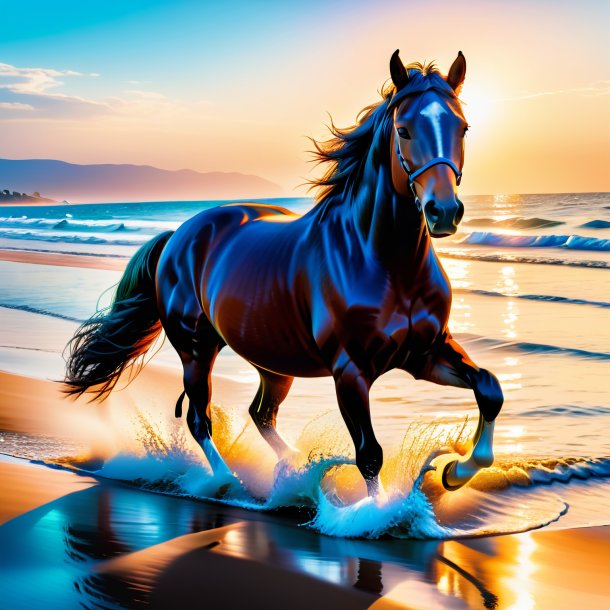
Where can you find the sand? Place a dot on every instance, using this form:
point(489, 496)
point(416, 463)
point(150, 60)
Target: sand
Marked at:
point(63, 260)
point(26, 486)
point(246, 564)
point(98, 540)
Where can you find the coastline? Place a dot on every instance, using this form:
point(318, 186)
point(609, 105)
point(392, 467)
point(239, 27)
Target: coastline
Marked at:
point(127, 546)
point(545, 570)
point(58, 259)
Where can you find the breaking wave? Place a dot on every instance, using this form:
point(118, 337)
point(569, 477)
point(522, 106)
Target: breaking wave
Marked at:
point(515, 223)
point(100, 225)
point(54, 236)
point(499, 257)
point(572, 242)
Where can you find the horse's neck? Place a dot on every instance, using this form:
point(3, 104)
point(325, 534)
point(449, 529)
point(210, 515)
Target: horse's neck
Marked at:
point(389, 225)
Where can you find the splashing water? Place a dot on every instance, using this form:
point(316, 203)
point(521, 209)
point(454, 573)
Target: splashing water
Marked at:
point(322, 479)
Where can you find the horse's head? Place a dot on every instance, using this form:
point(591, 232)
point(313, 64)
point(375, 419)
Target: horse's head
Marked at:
point(428, 145)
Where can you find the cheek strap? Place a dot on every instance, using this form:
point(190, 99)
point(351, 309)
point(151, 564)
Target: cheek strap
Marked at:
point(414, 174)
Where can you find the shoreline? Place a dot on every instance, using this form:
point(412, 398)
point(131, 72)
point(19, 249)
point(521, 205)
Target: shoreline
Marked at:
point(545, 569)
point(59, 259)
point(127, 546)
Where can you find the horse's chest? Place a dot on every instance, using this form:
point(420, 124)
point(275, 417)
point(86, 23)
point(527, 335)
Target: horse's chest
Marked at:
point(429, 311)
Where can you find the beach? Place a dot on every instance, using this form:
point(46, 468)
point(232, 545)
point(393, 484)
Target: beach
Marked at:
point(112, 505)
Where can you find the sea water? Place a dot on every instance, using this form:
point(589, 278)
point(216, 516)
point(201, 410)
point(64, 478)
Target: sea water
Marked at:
point(531, 281)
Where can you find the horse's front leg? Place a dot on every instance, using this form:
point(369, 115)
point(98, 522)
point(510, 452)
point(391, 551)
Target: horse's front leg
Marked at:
point(352, 388)
point(448, 364)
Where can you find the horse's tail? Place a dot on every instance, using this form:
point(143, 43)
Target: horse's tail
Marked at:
point(113, 339)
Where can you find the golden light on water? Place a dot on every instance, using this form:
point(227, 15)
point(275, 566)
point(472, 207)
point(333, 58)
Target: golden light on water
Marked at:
point(510, 381)
point(520, 583)
point(458, 272)
point(506, 282)
point(509, 318)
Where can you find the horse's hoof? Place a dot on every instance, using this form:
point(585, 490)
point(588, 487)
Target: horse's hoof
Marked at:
point(452, 473)
point(457, 473)
point(448, 475)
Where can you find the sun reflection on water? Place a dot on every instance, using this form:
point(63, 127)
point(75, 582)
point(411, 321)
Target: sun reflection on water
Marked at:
point(458, 272)
point(510, 317)
point(520, 583)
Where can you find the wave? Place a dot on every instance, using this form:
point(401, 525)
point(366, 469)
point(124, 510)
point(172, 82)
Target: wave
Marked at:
point(537, 472)
point(415, 508)
point(572, 242)
point(532, 348)
point(595, 224)
point(88, 225)
point(547, 298)
point(74, 238)
point(570, 410)
point(42, 312)
point(497, 257)
point(63, 224)
point(465, 338)
point(322, 485)
point(515, 223)
point(71, 225)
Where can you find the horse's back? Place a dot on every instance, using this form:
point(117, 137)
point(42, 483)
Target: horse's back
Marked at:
point(240, 267)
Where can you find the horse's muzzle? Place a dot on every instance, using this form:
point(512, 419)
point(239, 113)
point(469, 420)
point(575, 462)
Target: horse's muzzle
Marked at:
point(443, 218)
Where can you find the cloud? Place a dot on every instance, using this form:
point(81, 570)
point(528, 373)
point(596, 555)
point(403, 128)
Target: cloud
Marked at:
point(15, 106)
point(36, 89)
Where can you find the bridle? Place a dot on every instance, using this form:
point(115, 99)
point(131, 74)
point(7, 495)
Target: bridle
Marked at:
point(412, 175)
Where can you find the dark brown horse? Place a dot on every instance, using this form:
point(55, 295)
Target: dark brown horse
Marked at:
point(351, 289)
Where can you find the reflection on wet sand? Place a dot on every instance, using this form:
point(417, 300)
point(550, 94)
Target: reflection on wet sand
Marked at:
point(112, 546)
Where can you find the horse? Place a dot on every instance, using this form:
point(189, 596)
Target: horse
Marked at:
point(351, 289)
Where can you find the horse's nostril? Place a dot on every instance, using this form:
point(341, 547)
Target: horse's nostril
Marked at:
point(460, 213)
point(433, 212)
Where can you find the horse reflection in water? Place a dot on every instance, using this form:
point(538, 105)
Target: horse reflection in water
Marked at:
point(351, 289)
point(111, 546)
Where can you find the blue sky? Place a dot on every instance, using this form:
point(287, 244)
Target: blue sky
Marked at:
point(237, 86)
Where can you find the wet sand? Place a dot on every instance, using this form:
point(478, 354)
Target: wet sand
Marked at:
point(232, 558)
point(63, 260)
point(98, 543)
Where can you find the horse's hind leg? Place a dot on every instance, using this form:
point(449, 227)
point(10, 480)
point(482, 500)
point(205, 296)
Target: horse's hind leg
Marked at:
point(272, 391)
point(450, 365)
point(197, 385)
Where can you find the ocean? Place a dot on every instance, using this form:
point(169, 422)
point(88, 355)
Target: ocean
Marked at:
point(531, 283)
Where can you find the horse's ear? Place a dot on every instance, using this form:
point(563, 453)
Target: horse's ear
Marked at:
point(457, 72)
point(399, 74)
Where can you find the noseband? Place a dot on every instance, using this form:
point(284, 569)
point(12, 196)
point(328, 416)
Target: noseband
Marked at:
point(414, 174)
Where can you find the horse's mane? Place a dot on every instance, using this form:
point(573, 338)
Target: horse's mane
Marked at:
point(346, 152)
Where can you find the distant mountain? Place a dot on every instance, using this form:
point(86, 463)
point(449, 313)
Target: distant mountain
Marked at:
point(90, 183)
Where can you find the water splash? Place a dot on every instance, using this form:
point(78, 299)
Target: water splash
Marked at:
point(322, 480)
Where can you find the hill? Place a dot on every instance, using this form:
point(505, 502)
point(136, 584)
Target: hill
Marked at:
point(90, 183)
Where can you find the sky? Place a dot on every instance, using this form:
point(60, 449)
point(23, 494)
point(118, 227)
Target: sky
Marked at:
point(240, 85)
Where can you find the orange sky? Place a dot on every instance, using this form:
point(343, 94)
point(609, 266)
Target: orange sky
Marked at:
point(178, 85)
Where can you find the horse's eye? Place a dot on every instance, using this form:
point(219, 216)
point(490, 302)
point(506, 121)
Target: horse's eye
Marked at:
point(403, 132)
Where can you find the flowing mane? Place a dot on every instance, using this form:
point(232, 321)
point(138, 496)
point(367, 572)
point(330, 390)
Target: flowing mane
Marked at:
point(347, 151)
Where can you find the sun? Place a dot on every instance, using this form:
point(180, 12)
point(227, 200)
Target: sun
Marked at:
point(478, 104)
